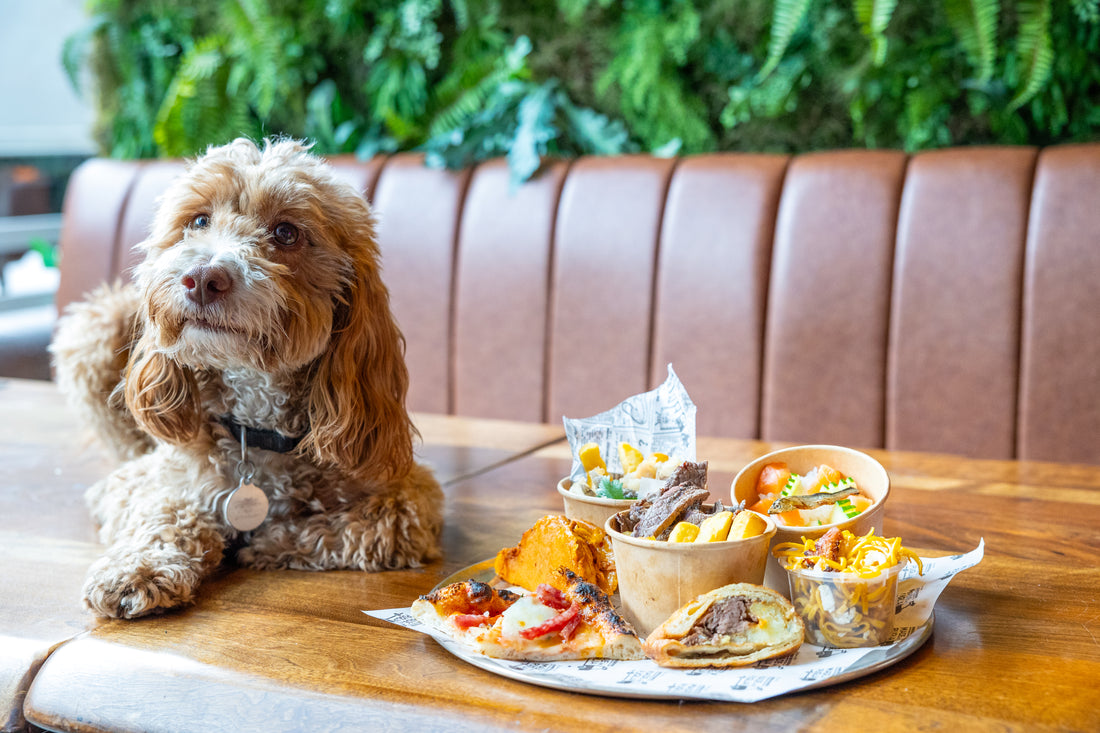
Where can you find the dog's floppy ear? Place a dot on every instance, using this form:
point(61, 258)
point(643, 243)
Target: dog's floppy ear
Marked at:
point(162, 395)
point(358, 419)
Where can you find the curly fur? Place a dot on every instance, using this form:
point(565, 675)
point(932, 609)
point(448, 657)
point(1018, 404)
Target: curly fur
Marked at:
point(301, 340)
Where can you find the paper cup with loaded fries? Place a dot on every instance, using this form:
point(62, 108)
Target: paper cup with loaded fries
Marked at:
point(627, 452)
point(677, 547)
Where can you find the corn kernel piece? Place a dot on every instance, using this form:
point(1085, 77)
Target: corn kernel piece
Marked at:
point(715, 528)
point(629, 456)
point(684, 532)
point(746, 524)
point(589, 455)
point(595, 476)
point(646, 469)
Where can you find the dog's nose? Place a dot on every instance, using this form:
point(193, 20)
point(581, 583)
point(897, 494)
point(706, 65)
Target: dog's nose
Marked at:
point(206, 284)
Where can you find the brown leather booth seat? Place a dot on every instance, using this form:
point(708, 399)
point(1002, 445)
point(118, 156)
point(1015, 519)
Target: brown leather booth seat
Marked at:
point(943, 301)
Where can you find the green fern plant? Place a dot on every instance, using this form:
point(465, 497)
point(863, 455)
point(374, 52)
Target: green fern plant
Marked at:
point(528, 122)
point(975, 24)
point(874, 16)
point(788, 16)
point(652, 44)
point(1034, 48)
point(197, 107)
point(461, 98)
point(463, 80)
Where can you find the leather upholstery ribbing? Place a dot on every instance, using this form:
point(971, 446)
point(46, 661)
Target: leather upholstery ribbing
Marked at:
point(941, 301)
point(150, 183)
point(712, 277)
point(956, 310)
point(419, 210)
point(605, 247)
point(94, 204)
point(1059, 406)
point(828, 300)
point(361, 174)
point(502, 291)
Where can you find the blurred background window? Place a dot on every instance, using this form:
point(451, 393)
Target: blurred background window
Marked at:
point(45, 132)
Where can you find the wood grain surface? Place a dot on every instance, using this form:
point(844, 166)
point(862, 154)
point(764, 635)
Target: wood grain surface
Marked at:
point(47, 540)
point(1015, 643)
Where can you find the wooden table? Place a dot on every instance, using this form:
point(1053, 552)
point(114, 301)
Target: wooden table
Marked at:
point(1016, 642)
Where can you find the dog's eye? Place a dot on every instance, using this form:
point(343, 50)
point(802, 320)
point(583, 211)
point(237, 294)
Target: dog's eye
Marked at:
point(201, 221)
point(285, 234)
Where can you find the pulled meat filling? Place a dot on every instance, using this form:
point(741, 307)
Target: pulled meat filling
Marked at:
point(727, 617)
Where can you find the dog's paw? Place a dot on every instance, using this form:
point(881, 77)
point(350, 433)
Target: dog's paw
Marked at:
point(129, 587)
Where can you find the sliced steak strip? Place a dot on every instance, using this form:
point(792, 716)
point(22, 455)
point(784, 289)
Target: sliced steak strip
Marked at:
point(688, 473)
point(667, 508)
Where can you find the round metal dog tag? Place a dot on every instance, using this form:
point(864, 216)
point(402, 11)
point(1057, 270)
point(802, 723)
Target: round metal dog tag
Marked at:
point(246, 507)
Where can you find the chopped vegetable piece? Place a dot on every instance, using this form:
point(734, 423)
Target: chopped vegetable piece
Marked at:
point(745, 525)
point(610, 488)
point(630, 457)
point(846, 506)
point(763, 503)
point(684, 532)
point(715, 528)
point(773, 477)
point(589, 456)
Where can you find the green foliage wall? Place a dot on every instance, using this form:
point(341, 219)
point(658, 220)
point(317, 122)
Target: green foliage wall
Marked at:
point(464, 80)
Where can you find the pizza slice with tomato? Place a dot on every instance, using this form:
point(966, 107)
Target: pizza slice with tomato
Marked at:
point(548, 625)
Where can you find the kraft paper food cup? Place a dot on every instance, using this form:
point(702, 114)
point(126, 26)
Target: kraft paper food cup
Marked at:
point(657, 577)
point(870, 476)
point(594, 509)
point(844, 610)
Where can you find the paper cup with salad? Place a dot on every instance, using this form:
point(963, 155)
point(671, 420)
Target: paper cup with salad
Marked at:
point(627, 452)
point(810, 489)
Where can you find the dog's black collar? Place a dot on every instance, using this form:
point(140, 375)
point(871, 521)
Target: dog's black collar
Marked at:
point(260, 438)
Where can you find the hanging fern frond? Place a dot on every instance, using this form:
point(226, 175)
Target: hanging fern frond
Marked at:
point(259, 56)
point(873, 17)
point(786, 19)
point(1036, 51)
point(534, 130)
point(320, 120)
point(76, 49)
point(464, 104)
point(975, 25)
point(594, 133)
